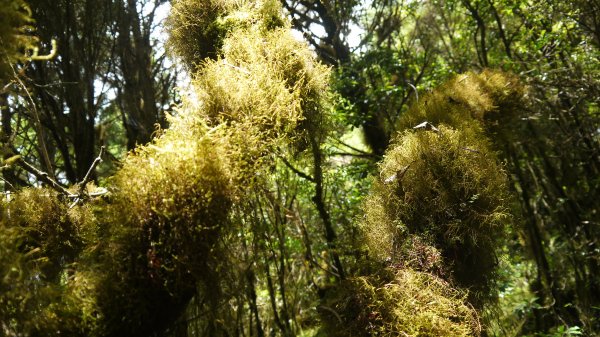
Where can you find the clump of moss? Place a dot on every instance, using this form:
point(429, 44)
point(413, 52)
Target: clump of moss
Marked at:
point(472, 102)
point(197, 29)
point(15, 37)
point(170, 203)
point(40, 241)
point(450, 191)
point(111, 266)
point(441, 201)
point(398, 302)
point(15, 281)
point(177, 191)
point(267, 88)
point(145, 249)
point(48, 226)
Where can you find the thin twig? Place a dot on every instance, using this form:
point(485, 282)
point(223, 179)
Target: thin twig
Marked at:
point(87, 178)
point(356, 149)
point(88, 175)
point(415, 89)
point(242, 70)
point(316, 264)
point(353, 154)
point(6, 181)
point(470, 150)
point(38, 126)
point(398, 175)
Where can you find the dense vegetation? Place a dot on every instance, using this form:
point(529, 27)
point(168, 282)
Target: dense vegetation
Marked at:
point(439, 179)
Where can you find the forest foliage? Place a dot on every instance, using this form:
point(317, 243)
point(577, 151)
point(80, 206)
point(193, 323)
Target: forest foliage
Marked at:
point(440, 179)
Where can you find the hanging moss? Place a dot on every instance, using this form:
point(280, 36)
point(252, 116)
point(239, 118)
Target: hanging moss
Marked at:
point(15, 37)
point(398, 302)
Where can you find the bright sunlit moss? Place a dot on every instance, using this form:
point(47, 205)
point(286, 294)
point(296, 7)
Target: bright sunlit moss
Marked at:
point(267, 87)
point(448, 190)
point(198, 29)
point(177, 192)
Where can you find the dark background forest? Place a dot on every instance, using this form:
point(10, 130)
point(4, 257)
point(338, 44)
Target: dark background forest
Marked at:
point(300, 168)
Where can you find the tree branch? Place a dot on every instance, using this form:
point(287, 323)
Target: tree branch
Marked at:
point(319, 201)
point(360, 152)
point(43, 177)
point(297, 171)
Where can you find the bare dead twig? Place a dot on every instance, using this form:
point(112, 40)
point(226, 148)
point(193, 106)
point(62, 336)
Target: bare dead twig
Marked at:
point(240, 69)
point(470, 150)
point(43, 177)
point(398, 175)
point(426, 126)
point(88, 176)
